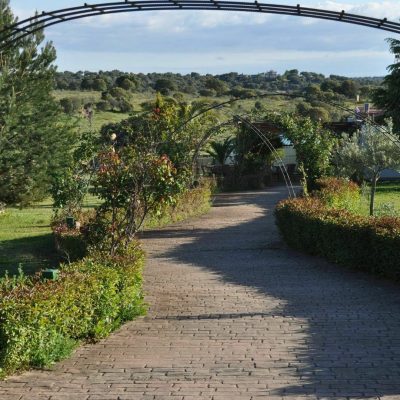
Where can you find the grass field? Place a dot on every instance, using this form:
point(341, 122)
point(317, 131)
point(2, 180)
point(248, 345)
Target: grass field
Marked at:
point(26, 238)
point(387, 200)
point(100, 118)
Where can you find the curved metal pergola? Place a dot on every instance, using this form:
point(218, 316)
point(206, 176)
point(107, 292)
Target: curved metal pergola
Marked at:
point(28, 26)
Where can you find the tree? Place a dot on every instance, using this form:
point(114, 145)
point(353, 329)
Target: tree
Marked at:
point(35, 135)
point(367, 153)
point(126, 82)
point(220, 151)
point(313, 145)
point(99, 84)
point(388, 96)
point(216, 84)
point(349, 88)
point(164, 86)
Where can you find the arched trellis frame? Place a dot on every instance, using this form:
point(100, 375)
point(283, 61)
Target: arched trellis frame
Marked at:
point(246, 121)
point(28, 26)
point(333, 104)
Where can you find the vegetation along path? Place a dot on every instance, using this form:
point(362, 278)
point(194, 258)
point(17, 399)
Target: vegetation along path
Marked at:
point(236, 315)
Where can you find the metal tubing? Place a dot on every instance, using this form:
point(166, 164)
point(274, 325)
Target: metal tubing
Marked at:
point(28, 26)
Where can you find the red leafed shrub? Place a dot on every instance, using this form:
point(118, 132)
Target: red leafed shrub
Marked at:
point(364, 243)
point(338, 193)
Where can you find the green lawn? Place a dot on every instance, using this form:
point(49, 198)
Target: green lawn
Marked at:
point(387, 198)
point(26, 238)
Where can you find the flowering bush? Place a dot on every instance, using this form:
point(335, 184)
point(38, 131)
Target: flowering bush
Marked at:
point(131, 185)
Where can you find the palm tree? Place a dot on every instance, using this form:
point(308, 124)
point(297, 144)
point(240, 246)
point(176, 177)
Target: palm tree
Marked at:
point(220, 151)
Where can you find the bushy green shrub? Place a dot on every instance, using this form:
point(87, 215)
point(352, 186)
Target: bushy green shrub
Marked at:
point(42, 321)
point(338, 193)
point(193, 202)
point(69, 242)
point(364, 243)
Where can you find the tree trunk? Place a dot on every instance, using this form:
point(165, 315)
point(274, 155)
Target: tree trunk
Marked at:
point(373, 190)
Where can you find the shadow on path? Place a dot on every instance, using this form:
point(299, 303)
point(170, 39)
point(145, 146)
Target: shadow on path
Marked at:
point(351, 345)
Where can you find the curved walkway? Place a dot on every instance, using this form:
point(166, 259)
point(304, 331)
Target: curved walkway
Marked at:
point(236, 315)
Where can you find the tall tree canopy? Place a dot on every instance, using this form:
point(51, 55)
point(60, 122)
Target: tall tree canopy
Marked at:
point(34, 134)
point(388, 96)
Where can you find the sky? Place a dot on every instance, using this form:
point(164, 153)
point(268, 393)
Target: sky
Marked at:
point(220, 41)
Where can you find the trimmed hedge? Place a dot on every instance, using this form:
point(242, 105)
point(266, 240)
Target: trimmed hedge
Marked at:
point(43, 321)
point(366, 243)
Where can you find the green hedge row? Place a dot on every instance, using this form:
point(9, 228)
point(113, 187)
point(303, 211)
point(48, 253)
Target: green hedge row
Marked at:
point(42, 321)
point(364, 243)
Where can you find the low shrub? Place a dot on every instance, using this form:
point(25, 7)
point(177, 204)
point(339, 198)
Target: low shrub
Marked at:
point(42, 321)
point(338, 193)
point(190, 203)
point(69, 241)
point(366, 243)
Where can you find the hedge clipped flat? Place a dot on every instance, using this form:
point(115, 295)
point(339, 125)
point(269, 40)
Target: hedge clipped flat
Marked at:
point(363, 243)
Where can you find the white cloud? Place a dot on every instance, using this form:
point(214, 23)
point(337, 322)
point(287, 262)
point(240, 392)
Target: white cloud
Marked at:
point(389, 9)
point(226, 41)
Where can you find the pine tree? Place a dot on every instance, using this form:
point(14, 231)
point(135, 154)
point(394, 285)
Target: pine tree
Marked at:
point(35, 136)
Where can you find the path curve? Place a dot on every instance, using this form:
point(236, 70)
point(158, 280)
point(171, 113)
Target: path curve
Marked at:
point(236, 315)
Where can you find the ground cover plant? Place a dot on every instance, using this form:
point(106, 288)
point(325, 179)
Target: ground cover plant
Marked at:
point(42, 321)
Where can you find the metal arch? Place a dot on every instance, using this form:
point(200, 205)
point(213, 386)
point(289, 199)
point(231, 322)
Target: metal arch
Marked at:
point(29, 26)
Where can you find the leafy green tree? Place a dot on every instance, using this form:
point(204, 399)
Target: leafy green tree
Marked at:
point(387, 97)
point(216, 84)
point(220, 151)
point(99, 84)
point(349, 88)
point(165, 126)
point(126, 82)
point(71, 105)
point(35, 135)
point(164, 86)
point(313, 144)
point(367, 153)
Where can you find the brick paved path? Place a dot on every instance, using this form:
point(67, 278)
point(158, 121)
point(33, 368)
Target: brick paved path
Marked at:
point(236, 315)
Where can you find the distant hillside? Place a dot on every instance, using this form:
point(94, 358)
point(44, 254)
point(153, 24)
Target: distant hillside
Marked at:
point(123, 93)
